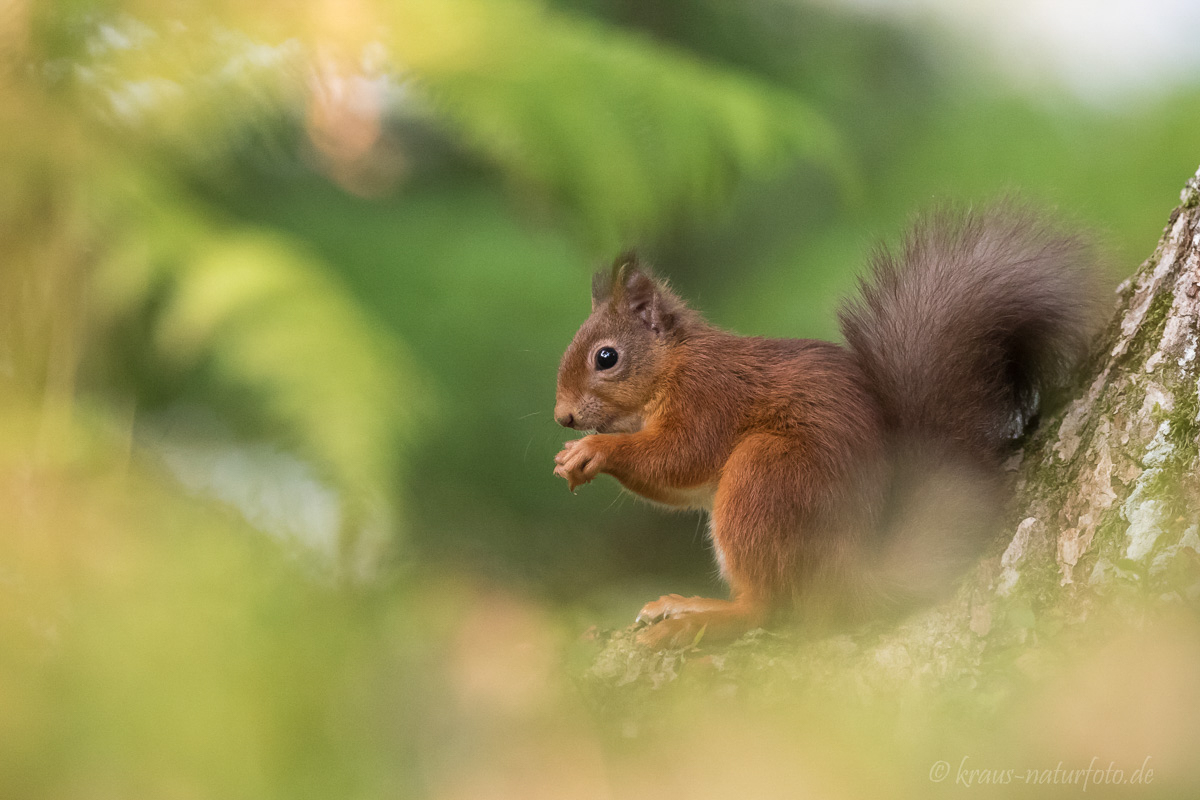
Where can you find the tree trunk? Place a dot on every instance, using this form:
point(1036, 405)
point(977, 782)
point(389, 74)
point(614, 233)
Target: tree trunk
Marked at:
point(1105, 511)
point(1108, 487)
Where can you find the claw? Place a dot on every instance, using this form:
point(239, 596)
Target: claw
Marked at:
point(647, 617)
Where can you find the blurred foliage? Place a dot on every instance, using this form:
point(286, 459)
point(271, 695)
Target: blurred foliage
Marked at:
point(358, 234)
point(634, 134)
point(98, 244)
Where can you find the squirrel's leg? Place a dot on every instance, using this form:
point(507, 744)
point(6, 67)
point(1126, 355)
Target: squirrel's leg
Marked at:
point(757, 515)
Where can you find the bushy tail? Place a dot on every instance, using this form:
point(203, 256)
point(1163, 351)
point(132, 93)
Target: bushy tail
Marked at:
point(962, 332)
point(967, 326)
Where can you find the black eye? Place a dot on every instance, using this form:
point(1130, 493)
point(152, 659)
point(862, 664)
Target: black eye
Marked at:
point(606, 358)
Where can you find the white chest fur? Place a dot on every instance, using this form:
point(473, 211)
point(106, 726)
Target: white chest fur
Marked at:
point(697, 498)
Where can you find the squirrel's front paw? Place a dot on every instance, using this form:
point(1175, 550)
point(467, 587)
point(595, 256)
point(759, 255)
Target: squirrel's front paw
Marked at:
point(579, 461)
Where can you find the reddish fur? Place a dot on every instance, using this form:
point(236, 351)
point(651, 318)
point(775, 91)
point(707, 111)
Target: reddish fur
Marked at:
point(797, 438)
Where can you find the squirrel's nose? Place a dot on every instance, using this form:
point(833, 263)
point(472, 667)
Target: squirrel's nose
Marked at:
point(564, 417)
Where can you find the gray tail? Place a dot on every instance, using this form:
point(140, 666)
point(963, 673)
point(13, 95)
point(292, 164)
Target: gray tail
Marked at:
point(964, 329)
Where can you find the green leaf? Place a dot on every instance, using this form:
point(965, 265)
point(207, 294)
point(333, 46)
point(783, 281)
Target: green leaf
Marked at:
point(623, 130)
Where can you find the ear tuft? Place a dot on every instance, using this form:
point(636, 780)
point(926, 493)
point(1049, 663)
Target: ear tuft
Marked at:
point(602, 286)
point(609, 286)
point(633, 290)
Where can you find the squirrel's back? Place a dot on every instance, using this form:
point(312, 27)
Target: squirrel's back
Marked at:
point(963, 329)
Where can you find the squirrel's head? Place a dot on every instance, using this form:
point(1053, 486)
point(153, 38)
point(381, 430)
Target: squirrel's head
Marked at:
point(611, 372)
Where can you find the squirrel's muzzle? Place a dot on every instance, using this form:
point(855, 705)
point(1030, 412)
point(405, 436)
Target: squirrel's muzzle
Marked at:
point(563, 416)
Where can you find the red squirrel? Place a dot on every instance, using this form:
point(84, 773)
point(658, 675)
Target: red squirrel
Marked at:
point(796, 447)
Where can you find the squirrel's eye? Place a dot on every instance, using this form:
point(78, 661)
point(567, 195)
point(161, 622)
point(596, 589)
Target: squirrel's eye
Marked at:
point(606, 358)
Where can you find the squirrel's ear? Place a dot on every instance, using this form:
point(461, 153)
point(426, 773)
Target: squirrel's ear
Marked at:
point(644, 297)
point(628, 288)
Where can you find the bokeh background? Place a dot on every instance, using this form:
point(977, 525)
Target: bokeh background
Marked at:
point(284, 288)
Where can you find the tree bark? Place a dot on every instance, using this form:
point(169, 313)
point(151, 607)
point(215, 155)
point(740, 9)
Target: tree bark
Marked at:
point(1108, 487)
point(1105, 510)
